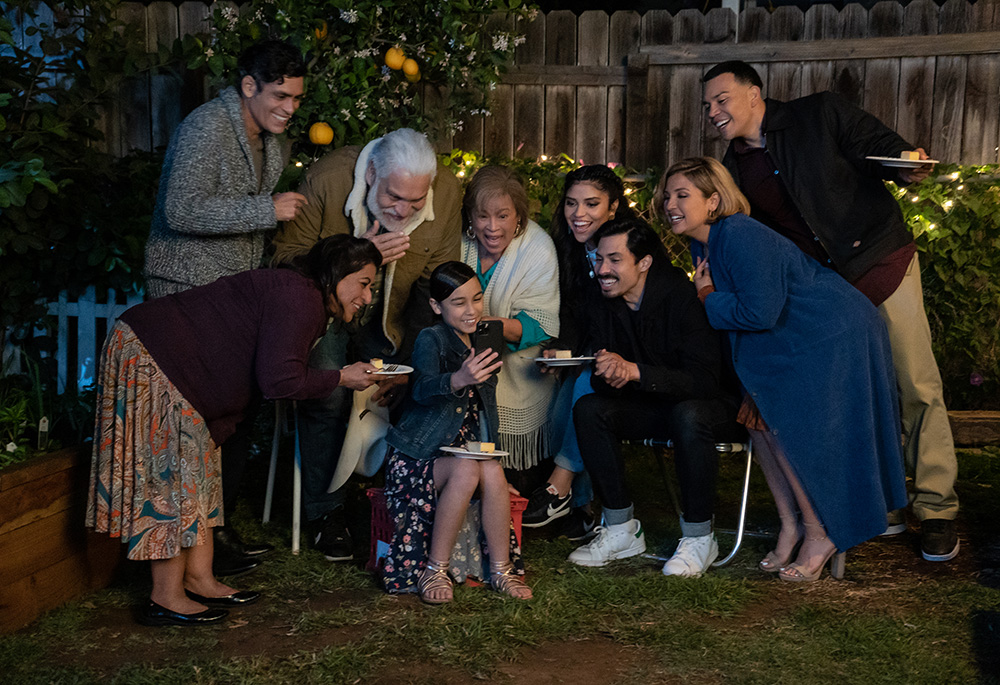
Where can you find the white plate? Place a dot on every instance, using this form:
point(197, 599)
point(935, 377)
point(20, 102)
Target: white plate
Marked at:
point(466, 454)
point(902, 163)
point(571, 361)
point(393, 370)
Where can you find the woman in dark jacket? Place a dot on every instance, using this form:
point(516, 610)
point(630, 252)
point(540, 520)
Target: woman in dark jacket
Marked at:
point(177, 375)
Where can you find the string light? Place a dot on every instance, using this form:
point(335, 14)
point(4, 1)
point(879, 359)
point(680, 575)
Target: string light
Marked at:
point(948, 204)
point(298, 164)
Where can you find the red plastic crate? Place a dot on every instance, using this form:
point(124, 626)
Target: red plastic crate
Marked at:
point(382, 525)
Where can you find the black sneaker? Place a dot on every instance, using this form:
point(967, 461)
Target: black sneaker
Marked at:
point(543, 508)
point(332, 538)
point(938, 539)
point(578, 526)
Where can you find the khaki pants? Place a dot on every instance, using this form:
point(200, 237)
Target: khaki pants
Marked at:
point(928, 447)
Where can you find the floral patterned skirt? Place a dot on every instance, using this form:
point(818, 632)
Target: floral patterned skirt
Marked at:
point(411, 499)
point(155, 478)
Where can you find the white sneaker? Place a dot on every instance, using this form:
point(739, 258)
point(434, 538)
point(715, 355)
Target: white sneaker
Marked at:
point(612, 542)
point(693, 556)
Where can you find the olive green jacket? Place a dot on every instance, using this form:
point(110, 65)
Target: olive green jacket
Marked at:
point(436, 240)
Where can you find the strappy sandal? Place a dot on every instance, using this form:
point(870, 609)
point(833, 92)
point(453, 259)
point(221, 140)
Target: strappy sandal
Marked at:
point(796, 573)
point(433, 577)
point(503, 579)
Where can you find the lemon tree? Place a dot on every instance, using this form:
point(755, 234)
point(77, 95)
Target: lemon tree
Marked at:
point(374, 64)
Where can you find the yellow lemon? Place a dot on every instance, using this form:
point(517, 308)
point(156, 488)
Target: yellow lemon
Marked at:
point(411, 69)
point(394, 58)
point(320, 133)
point(321, 31)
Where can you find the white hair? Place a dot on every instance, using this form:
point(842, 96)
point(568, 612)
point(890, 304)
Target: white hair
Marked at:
point(404, 150)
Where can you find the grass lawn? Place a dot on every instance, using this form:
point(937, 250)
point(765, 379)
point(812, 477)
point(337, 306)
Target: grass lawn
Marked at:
point(893, 619)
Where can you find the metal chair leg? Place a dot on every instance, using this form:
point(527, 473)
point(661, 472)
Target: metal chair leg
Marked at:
point(296, 488)
point(741, 525)
point(279, 420)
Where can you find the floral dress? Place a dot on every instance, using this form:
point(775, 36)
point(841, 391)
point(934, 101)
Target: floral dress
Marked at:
point(411, 498)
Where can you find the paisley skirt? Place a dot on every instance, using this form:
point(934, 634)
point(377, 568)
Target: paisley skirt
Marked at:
point(155, 477)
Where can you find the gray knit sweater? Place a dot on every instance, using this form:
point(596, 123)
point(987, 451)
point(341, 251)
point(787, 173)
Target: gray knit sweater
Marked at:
point(210, 218)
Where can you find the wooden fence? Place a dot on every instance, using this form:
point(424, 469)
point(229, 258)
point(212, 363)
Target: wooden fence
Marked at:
point(626, 88)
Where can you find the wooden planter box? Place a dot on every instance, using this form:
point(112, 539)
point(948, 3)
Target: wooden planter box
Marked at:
point(975, 428)
point(47, 556)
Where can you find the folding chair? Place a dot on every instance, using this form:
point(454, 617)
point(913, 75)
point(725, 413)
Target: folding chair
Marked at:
point(721, 448)
point(280, 415)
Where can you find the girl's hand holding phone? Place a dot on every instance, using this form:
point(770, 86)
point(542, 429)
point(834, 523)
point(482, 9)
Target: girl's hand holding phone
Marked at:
point(476, 368)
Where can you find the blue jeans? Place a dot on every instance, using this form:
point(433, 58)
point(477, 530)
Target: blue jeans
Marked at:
point(322, 425)
point(567, 449)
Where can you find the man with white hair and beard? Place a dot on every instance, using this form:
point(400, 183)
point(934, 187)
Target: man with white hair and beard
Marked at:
point(396, 194)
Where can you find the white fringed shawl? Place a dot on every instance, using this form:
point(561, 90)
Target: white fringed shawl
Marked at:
point(526, 280)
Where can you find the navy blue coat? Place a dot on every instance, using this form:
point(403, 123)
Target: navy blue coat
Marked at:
point(813, 353)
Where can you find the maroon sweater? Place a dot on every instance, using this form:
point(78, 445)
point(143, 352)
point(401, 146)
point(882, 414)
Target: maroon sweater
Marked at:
point(225, 343)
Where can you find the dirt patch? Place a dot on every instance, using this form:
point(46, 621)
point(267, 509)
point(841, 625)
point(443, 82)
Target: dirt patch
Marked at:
point(580, 661)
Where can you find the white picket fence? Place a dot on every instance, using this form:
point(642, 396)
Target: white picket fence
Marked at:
point(88, 312)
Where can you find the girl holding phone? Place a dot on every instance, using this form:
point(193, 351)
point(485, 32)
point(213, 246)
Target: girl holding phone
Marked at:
point(428, 492)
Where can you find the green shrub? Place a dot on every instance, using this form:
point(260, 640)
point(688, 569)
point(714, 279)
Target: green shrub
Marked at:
point(459, 46)
point(955, 218)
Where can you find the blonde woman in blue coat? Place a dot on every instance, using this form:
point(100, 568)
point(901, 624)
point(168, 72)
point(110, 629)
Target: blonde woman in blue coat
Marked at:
point(814, 360)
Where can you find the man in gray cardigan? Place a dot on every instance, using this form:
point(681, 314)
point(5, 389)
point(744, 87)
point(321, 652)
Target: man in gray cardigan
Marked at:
point(215, 203)
point(213, 208)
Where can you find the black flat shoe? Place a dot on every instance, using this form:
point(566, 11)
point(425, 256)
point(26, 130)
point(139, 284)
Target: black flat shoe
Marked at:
point(237, 599)
point(155, 615)
point(229, 541)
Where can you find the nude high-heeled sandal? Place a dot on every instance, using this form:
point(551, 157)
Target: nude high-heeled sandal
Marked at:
point(796, 573)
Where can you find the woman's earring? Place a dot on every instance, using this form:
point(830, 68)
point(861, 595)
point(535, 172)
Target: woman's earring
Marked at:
point(469, 233)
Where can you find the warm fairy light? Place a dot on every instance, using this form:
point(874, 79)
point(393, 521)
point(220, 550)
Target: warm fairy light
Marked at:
point(948, 204)
point(298, 164)
point(544, 158)
point(631, 204)
point(461, 173)
point(914, 198)
point(954, 176)
point(960, 187)
point(628, 191)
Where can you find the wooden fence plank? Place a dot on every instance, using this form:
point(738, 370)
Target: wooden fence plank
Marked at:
point(916, 78)
point(882, 75)
point(681, 110)
point(162, 24)
point(532, 50)
point(949, 85)
point(194, 18)
point(821, 24)
point(498, 128)
point(528, 102)
point(849, 75)
point(560, 37)
point(623, 41)
point(980, 134)
point(783, 80)
point(720, 26)
point(623, 38)
point(591, 101)
point(755, 25)
point(656, 28)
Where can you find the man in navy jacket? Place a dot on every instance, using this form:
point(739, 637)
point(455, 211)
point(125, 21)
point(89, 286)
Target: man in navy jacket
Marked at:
point(802, 164)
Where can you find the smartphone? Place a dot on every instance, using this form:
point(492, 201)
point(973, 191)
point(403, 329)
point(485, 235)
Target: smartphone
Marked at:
point(489, 334)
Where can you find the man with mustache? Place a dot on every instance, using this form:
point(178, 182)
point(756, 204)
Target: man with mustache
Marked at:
point(657, 374)
point(395, 193)
point(802, 166)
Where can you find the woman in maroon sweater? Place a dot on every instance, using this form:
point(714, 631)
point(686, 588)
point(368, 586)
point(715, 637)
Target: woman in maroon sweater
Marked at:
point(177, 375)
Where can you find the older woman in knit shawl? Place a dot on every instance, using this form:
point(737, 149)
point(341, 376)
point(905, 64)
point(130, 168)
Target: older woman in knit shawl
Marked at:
point(516, 263)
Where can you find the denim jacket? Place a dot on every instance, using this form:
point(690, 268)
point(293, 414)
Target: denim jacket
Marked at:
point(433, 414)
